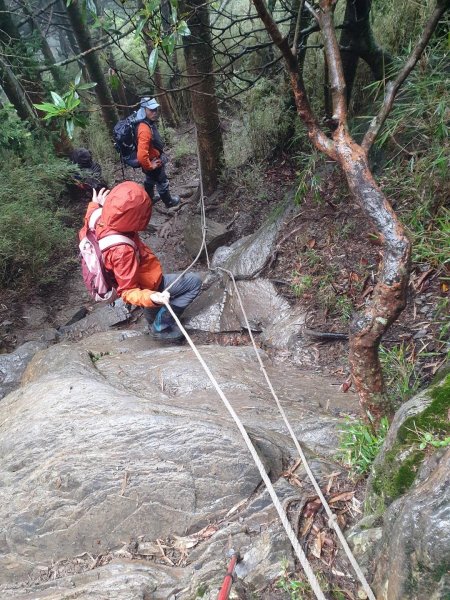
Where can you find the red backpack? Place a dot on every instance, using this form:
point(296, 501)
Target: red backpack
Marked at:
point(99, 282)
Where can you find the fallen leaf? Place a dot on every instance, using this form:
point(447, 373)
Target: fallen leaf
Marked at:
point(331, 480)
point(236, 507)
point(307, 526)
point(342, 497)
point(421, 279)
point(207, 532)
point(148, 549)
point(444, 287)
point(316, 548)
point(312, 507)
point(346, 385)
point(185, 543)
point(311, 243)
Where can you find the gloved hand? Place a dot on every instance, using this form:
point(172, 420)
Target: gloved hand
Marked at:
point(100, 197)
point(160, 297)
point(156, 163)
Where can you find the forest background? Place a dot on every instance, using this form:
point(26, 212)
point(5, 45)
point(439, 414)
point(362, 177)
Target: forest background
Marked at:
point(70, 71)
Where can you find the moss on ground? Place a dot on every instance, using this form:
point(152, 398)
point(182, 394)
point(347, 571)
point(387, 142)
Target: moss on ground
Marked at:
point(398, 471)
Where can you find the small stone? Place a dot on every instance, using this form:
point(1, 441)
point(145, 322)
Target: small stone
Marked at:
point(421, 334)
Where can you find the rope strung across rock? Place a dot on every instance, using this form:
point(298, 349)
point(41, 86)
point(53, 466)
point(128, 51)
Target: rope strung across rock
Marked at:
point(332, 522)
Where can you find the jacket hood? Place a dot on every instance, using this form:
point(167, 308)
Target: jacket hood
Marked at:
point(127, 208)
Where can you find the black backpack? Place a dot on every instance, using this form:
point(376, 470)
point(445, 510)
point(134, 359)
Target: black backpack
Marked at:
point(124, 134)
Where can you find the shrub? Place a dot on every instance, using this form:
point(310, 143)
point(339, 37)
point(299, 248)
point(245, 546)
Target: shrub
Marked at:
point(33, 234)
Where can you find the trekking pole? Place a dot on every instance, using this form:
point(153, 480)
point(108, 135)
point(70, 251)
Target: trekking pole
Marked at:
point(121, 164)
point(229, 577)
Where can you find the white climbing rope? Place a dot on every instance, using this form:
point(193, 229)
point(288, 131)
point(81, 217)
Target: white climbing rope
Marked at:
point(290, 532)
point(332, 521)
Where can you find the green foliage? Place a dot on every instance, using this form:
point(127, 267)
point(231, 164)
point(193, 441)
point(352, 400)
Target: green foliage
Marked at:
point(359, 445)
point(164, 36)
point(183, 148)
point(66, 108)
point(301, 283)
point(263, 126)
point(96, 356)
point(295, 589)
point(426, 438)
point(33, 231)
point(400, 465)
point(308, 179)
point(400, 376)
point(14, 133)
point(415, 179)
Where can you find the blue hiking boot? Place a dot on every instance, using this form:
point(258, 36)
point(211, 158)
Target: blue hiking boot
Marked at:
point(164, 327)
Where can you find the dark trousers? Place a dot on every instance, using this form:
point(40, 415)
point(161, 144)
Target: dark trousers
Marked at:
point(182, 293)
point(156, 178)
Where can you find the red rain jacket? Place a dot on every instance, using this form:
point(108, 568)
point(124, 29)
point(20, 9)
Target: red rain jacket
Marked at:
point(127, 210)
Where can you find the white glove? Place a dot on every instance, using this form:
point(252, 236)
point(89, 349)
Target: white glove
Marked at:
point(160, 297)
point(100, 197)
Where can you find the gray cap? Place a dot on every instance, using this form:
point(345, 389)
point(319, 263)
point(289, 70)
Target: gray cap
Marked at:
point(149, 103)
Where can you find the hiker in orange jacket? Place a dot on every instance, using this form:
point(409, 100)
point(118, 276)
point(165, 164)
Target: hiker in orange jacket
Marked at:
point(140, 281)
point(150, 153)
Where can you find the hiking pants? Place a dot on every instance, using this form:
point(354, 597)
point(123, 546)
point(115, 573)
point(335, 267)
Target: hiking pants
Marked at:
point(182, 293)
point(157, 177)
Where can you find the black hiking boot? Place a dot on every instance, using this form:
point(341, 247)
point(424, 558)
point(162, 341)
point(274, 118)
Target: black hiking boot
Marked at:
point(170, 201)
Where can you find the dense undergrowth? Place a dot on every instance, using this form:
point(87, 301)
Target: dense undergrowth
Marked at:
point(36, 236)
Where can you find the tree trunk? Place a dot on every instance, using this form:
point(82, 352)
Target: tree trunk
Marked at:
point(199, 65)
point(93, 65)
point(12, 88)
point(45, 48)
point(357, 41)
point(389, 296)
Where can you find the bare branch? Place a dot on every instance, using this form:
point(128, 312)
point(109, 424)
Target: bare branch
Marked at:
point(334, 63)
point(393, 86)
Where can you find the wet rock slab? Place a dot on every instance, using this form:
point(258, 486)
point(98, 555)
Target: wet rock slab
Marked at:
point(115, 438)
point(218, 308)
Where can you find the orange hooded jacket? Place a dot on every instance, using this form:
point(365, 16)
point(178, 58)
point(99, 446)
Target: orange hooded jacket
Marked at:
point(127, 210)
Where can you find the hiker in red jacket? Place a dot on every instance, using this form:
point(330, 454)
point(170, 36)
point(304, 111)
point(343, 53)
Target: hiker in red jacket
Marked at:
point(140, 281)
point(150, 153)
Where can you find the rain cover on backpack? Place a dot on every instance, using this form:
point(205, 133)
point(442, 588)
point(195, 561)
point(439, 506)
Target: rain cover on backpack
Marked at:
point(99, 282)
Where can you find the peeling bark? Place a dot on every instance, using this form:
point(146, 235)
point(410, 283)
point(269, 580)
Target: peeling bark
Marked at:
point(389, 295)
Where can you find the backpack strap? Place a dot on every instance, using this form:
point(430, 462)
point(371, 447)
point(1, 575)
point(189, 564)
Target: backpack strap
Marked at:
point(115, 239)
point(95, 216)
